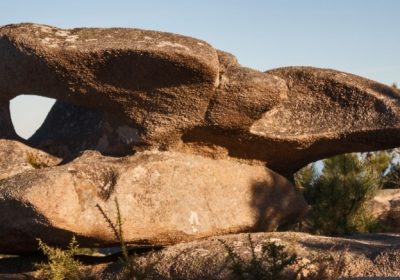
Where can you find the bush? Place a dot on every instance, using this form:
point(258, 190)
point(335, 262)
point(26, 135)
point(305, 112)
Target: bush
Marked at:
point(61, 263)
point(270, 265)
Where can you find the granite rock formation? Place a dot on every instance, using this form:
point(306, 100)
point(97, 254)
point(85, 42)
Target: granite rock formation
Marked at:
point(176, 92)
point(169, 102)
point(361, 257)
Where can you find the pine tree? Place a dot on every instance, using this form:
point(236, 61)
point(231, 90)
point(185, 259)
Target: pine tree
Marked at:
point(339, 194)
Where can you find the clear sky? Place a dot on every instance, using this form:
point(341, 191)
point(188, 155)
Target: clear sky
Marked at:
point(357, 36)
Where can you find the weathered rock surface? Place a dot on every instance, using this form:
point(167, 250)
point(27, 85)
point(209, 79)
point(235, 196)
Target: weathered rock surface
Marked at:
point(161, 81)
point(164, 198)
point(173, 92)
point(373, 256)
point(330, 112)
point(201, 127)
point(364, 255)
point(16, 157)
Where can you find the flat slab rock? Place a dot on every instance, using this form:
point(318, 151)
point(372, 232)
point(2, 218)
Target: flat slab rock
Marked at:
point(369, 256)
point(164, 198)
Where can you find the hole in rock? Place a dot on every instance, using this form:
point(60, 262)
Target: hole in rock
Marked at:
point(28, 113)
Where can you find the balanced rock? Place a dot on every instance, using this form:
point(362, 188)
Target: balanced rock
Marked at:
point(203, 135)
point(164, 198)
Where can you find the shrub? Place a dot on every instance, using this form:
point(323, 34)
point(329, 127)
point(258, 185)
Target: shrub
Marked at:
point(61, 264)
point(271, 264)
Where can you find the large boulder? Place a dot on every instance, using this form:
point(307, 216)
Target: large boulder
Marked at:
point(164, 198)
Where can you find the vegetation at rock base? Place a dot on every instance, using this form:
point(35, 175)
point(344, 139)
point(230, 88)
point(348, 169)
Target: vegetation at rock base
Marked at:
point(274, 262)
point(61, 264)
point(35, 161)
point(338, 195)
point(271, 264)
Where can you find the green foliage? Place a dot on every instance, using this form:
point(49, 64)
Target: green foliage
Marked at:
point(35, 161)
point(339, 194)
point(269, 265)
point(61, 264)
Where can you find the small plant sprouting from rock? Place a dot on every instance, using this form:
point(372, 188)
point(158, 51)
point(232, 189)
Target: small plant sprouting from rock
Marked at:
point(269, 265)
point(133, 269)
point(35, 161)
point(61, 263)
point(118, 232)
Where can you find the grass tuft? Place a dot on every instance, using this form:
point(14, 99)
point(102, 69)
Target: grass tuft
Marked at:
point(35, 161)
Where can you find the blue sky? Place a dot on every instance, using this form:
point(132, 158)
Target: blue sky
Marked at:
point(357, 36)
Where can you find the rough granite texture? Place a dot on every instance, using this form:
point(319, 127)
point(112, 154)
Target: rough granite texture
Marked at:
point(164, 198)
point(201, 145)
point(369, 256)
point(178, 93)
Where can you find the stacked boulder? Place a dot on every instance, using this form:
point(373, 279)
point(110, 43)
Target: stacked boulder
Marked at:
point(190, 143)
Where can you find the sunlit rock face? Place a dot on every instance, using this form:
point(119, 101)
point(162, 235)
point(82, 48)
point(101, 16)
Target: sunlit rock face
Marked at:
point(215, 139)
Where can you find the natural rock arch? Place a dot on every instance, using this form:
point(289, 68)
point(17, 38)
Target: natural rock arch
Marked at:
point(205, 130)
